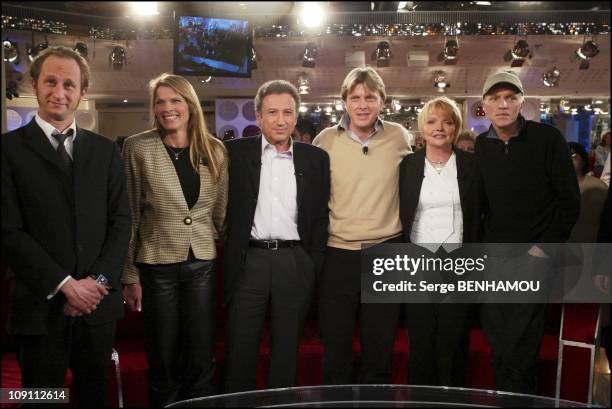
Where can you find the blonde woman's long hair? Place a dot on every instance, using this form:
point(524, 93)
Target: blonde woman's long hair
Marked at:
point(202, 145)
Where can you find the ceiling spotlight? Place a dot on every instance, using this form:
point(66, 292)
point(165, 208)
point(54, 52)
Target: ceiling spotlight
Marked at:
point(406, 5)
point(311, 14)
point(396, 104)
point(303, 108)
point(11, 53)
point(587, 50)
point(449, 55)
point(517, 55)
point(117, 57)
point(12, 89)
point(206, 80)
point(338, 105)
point(318, 109)
point(34, 50)
point(303, 84)
point(309, 56)
point(144, 8)
point(81, 49)
point(551, 77)
point(382, 54)
point(253, 59)
point(440, 81)
point(328, 109)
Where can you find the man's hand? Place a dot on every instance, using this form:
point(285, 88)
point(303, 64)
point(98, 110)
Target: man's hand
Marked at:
point(84, 295)
point(535, 251)
point(602, 283)
point(71, 311)
point(132, 295)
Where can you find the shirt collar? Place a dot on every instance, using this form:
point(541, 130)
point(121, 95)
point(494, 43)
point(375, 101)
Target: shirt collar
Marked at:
point(49, 129)
point(346, 120)
point(493, 135)
point(266, 145)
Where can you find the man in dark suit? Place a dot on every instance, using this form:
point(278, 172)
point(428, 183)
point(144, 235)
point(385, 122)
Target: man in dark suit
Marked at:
point(65, 229)
point(277, 222)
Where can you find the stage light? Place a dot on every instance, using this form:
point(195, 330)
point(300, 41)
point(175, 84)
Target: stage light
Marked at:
point(144, 8)
point(396, 104)
point(11, 53)
point(328, 109)
point(34, 50)
point(318, 109)
point(311, 14)
point(303, 84)
point(81, 49)
point(334, 119)
point(518, 53)
point(117, 57)
point(450, 52)
point(206, 80)
point(309, 57)
point(253, 59)
point(551, 77)
point(440, 81)
point(382, 54)
point(12, 89)
point(588, 49)
point(338, 105)
point(303, 109)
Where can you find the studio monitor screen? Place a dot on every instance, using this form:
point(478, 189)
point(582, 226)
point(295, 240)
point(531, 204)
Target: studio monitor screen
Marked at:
point(212, 46)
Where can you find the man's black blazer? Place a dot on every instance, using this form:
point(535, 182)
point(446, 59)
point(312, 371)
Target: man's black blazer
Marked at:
point(312, 179)
point(54, 224)
point(412, 170)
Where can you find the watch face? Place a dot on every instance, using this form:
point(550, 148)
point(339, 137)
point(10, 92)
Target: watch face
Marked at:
point(103, 280)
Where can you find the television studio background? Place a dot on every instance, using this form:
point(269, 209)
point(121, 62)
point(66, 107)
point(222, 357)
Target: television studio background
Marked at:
point(560, 51)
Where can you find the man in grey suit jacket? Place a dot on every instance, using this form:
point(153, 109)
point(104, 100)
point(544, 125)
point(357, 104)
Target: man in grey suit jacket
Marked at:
point(65, 230)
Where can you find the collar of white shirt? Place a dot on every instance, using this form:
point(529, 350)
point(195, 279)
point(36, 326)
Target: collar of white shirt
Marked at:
point(267, 145)
point(49, 129)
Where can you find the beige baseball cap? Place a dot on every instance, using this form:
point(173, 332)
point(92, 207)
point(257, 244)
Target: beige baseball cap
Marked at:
point(502, 77)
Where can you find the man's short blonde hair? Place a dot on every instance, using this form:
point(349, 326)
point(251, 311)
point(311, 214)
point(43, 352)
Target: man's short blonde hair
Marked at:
point(442, 104)
point(367, 76)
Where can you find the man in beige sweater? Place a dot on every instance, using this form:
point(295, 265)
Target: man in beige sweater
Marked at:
point(365, 153)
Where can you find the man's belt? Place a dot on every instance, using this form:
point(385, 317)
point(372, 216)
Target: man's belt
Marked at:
point(273, 244)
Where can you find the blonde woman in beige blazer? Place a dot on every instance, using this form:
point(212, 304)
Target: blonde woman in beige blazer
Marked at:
point(177, 185)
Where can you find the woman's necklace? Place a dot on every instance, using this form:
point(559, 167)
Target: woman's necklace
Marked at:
point(176, 154)
point(438, 166)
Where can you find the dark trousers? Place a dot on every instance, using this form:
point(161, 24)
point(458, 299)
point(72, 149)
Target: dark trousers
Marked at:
point(515, 330)
point(178, 303)
point(69, 343)
point(284, 279)
point(439, 343)
point(339, 303)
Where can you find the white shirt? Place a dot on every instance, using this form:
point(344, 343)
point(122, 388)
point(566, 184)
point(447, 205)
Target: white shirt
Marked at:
point(276, 211)
point(438, 218)
point(49, 130)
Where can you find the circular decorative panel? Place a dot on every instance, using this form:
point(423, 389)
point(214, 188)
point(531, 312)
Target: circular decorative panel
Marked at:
point(251, 130)
point(86, 120)
point(29, 116)
point(248, 111)
point(13, 120)
point(228, 111)
point(228, 132)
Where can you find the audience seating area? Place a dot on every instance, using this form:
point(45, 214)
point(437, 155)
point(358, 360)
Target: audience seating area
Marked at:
point(133, 364)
